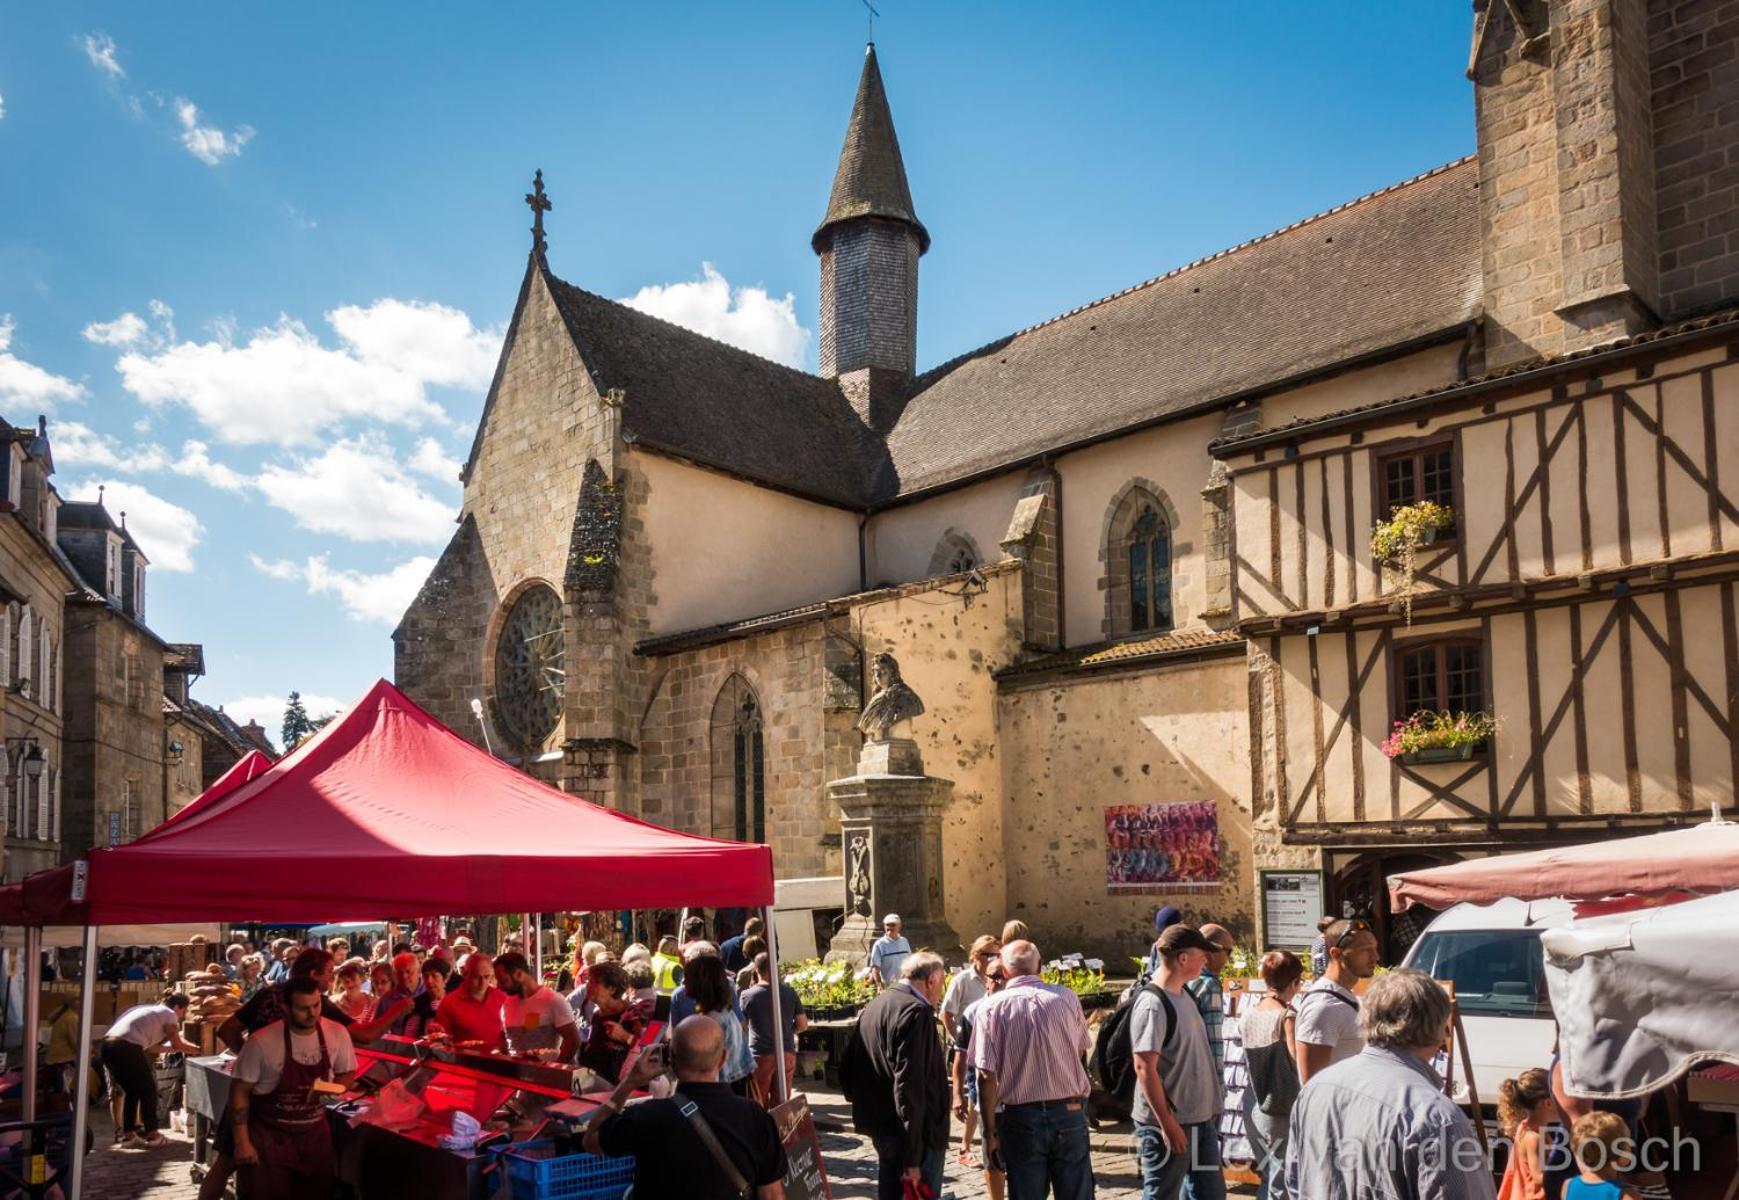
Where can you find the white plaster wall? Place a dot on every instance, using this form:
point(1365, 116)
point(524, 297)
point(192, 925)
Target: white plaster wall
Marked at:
point(901, 540)
point(724, 550)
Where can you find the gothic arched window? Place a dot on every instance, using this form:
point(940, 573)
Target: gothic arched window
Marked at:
point(955, 554)
point(1149, 573)
point(739, 775)
point(1138, 550)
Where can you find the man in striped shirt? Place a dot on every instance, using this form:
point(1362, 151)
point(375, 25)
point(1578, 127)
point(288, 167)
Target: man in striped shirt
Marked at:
point(1027, 1045)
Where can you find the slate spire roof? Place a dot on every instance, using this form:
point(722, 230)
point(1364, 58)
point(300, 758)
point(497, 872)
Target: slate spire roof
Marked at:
point(871, 179)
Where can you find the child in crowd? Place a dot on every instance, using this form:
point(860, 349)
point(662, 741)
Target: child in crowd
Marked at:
point(1602, 1144)
point(1526, 1108)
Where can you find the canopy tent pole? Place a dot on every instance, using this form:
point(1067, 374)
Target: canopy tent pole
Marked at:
point(32, 1015)
point(782, 1085)
point(534, 927)
point(81, 1104)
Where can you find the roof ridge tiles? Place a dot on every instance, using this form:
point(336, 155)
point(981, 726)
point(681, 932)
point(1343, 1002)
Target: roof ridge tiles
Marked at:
point(943, 367)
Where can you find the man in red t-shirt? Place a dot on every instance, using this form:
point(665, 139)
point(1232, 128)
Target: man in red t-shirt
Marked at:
point(472, 1012)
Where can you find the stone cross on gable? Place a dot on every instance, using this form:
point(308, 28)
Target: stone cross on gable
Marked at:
point(539, 204)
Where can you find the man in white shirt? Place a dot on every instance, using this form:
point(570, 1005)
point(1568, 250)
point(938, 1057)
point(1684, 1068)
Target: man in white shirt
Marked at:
point(889, 951)
point(534, 1017)
point(137, 1033)
point(285, 1075)
point(1328, 1012)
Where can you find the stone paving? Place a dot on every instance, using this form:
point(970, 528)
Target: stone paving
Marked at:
point(164, 1174)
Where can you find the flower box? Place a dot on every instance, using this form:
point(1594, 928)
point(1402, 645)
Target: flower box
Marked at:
point(1440, 754)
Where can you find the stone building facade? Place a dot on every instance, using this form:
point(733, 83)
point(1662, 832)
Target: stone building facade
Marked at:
point(1123, 554)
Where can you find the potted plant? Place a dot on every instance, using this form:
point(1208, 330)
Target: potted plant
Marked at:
point(1398, 540)
point(1434, 737)
point(1083, 976)
point(829, 991)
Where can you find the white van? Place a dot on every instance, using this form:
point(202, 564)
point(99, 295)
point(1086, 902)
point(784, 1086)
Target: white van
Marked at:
point(1492, 953)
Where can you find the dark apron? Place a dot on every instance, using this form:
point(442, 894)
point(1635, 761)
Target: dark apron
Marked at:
point(289, 1132)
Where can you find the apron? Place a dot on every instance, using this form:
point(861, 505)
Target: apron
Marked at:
point(290, 1133)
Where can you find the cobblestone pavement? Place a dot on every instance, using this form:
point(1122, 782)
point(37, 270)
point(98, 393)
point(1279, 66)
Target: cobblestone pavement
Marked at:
point(164, 1174)
point(851, 1160)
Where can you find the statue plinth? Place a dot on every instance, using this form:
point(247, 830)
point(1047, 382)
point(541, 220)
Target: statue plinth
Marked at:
point(891, 835)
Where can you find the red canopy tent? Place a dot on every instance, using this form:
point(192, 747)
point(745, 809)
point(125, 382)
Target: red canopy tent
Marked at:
point(1703, 858)
point(384, 810)
point(387, 810)
point(245, 769)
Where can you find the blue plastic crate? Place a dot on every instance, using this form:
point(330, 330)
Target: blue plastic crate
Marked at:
point(535, 1172)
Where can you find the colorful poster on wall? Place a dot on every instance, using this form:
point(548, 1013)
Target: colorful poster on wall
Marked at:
point(1153, 849)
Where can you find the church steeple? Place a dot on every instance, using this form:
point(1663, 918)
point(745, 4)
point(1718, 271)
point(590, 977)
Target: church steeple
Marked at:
point(869, 243)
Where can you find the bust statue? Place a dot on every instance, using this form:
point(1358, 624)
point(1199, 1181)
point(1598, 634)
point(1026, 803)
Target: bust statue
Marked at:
point(893, 703)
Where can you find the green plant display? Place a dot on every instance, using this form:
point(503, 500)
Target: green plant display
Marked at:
point(1398, 539)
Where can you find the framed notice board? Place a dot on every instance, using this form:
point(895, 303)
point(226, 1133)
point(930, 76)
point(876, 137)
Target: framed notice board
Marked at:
point(1291, 907)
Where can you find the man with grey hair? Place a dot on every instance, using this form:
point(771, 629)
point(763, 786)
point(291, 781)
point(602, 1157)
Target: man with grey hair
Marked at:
point(894, 1076)
point(1027, 1045)
point(1378, 1124)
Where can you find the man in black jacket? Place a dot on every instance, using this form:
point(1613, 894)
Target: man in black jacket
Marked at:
point(895, 1078)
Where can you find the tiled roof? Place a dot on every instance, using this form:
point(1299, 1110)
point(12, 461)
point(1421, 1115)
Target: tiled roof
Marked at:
point(1129, 651)
point(236, 735)
point(1396, 268)
point(1546, 362)
point(721, 406)
point(1391, 268)
point(871, 179)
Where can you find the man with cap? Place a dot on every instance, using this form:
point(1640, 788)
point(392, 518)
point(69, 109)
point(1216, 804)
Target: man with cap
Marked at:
point(889, 951)
point(1178, 1091)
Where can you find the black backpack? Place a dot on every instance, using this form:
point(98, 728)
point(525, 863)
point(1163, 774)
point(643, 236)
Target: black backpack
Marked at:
point(1113, 1061)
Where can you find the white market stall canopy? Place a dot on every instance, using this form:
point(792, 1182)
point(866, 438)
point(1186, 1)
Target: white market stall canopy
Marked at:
point(1642, 996)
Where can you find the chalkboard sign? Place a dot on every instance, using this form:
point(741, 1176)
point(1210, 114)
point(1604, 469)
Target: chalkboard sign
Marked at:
point(805, 1177)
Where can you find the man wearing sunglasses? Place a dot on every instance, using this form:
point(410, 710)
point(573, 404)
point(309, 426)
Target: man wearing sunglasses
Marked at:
point(1328, 1012)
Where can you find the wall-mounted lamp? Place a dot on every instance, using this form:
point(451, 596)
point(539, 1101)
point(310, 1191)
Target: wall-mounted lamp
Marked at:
point(29, 752)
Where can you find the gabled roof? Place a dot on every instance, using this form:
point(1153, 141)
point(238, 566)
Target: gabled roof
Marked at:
point(1392, 268)
point(1397, 269)
point(689, 395)
point(871, 178)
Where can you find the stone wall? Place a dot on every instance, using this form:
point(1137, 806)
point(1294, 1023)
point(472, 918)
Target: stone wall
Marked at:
point(1694, 60)
point(28, 568)
point(1075, 746)
point(114, 732)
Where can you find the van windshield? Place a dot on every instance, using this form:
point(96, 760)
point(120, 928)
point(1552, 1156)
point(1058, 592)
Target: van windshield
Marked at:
point(1498, 972)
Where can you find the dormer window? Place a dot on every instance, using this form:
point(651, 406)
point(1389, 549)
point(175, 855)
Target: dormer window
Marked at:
point(112, 569)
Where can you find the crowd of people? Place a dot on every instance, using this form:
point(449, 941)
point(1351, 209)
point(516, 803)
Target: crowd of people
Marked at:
point(1342, 1098)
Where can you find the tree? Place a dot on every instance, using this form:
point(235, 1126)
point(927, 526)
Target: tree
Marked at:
point(296, 723)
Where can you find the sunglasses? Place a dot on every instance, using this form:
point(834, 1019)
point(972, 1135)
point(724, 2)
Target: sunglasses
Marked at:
point(1352, 928)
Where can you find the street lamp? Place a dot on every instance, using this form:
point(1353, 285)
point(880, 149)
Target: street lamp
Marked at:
point(34, 761)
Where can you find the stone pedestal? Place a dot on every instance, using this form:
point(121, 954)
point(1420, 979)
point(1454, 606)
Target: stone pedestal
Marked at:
point(891, 838)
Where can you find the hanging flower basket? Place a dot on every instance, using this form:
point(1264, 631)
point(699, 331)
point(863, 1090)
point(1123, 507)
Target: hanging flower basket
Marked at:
point(1437, 737)
point(1398, 540)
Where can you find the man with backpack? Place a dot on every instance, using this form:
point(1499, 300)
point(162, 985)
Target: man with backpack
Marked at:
point(1328, 1011)
point(1177, 1091)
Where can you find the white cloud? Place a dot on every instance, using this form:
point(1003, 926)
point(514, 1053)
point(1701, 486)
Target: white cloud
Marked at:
point(747, 317)
point(268, 710)
point(282, 386)
point(435, 343)
point(208, 143)
point(100, 49)
point(381, 597)
point(195, 462)
point(125, 330)
point(78, 445)
point(431, 460)
point(27, 386)
point(358, 490)
point(166, 532)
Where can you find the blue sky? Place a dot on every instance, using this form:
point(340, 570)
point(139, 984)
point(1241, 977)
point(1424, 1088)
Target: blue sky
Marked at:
point(255, 261)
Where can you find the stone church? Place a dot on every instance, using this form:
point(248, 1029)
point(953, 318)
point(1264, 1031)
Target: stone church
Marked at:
point(1125, 555)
